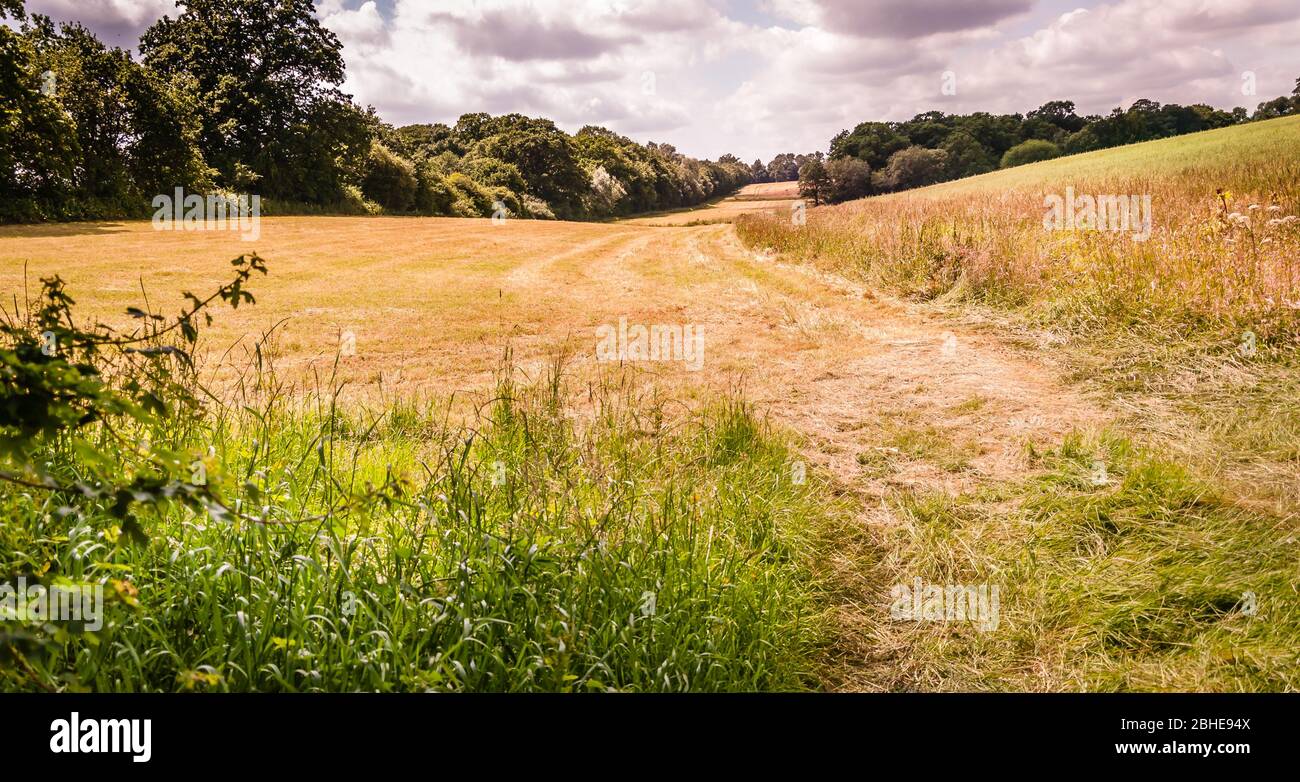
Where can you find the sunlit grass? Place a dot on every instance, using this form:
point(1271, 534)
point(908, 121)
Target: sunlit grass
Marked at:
point(1200, 275)
point(542, 547)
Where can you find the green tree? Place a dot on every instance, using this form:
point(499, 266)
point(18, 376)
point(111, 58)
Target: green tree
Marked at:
point(545, 156)
point(912, 167)
point(1030, 151)
point(1060, 113)
point(137, 136)
point(850, 178)
point(814, 181)
point(38, 144)
point(966, 156)
point(873, 142)
point(259, 71)
point(389, 179)
point(783, 168)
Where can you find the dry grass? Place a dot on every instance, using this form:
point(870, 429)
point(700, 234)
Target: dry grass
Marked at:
point(982, 239)
point(1189, 338)
point(764, 198)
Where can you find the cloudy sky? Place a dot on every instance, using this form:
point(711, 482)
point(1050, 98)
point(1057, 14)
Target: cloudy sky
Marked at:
point(758, 77)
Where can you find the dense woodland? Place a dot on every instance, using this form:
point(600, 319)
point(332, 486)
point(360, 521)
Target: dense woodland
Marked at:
point(242, 96)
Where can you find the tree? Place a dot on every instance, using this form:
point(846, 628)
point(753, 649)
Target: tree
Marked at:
point(850, 178)
point(1085, 140)
point(1060, 113)
point(996, 133)
point(38, 145)
point(545, 157)
point(929, 130)
point(1280, 107)
point(1031, 151)
point(814, 181)
point(137, 137)
point(259, 71)
point(912, 167)
point(966, 156)
point(783, 168)
point(873, 142)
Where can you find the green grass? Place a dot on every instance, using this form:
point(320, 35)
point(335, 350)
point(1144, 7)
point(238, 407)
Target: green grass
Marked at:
point(540, 548)
point(1252, 145)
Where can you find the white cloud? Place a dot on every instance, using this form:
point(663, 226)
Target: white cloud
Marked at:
point(117, 22)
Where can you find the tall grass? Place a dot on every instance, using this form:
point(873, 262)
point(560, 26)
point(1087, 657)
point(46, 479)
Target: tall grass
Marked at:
point(554, 542)
point(1221, 260)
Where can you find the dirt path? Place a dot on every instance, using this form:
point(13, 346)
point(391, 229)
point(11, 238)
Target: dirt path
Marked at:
point(888, 399)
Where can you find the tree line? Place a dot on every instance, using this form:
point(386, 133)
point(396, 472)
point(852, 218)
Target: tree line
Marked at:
point(883, 157)
point(243, 96)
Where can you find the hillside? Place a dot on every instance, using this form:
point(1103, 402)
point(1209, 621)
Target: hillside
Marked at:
point(1256, 144)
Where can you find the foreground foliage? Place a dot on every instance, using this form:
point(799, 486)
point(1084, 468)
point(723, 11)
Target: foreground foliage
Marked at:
point(271, 540)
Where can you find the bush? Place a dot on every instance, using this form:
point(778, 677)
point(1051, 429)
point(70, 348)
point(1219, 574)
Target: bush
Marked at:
point(912, 167)
point(355, 202)
point(469, 198)
point(537, 208)
point(433, 196)
point(502, 197)
point(1031, 151)
point(849, 178)
point(491, 172)
point(389, 180)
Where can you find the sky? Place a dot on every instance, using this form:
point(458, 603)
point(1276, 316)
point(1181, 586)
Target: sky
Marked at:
point(758, 77)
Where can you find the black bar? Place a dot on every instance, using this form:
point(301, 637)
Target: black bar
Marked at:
point(215, 733)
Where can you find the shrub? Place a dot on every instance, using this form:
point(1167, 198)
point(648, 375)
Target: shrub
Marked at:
point(433, 196)
point(849, 178)
point(491, 172)
point(469, 198)
point(537, 208)
point(912, 167)
point(389, 179)
point(355, 202)
point(1031, 151)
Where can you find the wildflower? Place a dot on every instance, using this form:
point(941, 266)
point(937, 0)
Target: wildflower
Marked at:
point(1274, 208)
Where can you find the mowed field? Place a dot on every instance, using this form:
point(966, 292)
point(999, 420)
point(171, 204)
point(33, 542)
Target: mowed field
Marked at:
point(432, 304)
point(763, 197)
